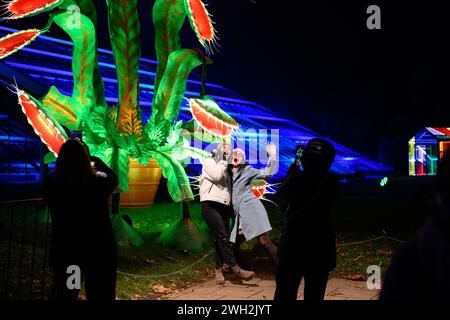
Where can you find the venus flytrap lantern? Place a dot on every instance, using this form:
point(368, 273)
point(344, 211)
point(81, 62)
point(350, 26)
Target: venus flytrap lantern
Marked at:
point(117, 133)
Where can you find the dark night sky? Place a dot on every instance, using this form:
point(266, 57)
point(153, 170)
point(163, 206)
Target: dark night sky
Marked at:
point(317, 63)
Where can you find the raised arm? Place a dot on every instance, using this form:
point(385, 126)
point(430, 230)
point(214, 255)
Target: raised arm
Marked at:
point(111, 180)
point(270, 169)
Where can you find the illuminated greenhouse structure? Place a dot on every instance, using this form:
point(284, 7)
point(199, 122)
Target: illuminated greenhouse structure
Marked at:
point(47, 61)
point(426, 147)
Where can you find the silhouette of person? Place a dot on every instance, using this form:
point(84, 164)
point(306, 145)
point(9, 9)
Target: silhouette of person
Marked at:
point(77, 195)
point(250, 213)
point(421, 267)
point(307, 244)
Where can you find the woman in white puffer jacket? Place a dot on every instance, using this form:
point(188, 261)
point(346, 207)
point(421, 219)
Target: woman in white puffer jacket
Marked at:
point(215, 200)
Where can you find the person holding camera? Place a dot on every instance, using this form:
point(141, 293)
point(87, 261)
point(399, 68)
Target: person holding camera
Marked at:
point(82, 237)
point(215, 200)
point(307, 243)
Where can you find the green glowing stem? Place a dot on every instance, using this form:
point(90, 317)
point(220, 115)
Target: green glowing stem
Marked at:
point(124, 28)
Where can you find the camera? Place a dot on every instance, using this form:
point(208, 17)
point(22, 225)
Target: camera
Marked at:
point(298, 154)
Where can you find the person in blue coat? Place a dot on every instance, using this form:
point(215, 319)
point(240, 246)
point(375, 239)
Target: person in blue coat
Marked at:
point(250, 214)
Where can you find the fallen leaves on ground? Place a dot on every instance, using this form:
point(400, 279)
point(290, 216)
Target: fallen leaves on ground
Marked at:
point(356, 277)
point(210, 272)
point(385, 252)
point(159, 288)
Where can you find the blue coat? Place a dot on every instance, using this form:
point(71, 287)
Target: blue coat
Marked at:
point(249, 211)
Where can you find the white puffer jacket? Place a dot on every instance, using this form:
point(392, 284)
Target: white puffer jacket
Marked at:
point(215, 182)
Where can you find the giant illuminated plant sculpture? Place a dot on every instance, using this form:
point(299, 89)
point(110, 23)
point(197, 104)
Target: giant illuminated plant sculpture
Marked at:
point(116, 133)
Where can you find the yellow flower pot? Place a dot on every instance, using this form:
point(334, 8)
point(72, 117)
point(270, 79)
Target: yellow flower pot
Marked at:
point(143, 184)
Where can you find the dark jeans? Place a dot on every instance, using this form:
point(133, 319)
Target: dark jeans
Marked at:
point(288, 277)
point(217, 216)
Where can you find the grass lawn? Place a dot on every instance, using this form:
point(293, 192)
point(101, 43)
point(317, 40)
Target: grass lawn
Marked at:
point(155, 264)
point(152, 271)
point(357, 217)
point(24, 272)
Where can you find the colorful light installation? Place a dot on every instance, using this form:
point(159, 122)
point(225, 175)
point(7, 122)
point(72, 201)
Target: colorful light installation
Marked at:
point(426, 148)
point(114, 133)
point(384, 181)
point(211, 117)
point(17, 9)
point(50, 132)
point(201, 23)
point(261, 187)
point(412, 157)
point(16, 41)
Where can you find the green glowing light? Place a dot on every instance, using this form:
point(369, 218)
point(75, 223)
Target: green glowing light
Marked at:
point(116, 133)
point(384, 181)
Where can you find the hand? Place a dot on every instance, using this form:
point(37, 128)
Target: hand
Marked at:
point(271, 150)
point(98, 164)
point(94, 161)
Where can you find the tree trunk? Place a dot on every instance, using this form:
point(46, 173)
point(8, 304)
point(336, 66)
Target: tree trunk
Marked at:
point(186, 209)
point(184, 234)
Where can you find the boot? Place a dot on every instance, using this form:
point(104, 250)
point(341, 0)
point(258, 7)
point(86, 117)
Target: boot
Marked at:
point(219, 277)
point(243, 274)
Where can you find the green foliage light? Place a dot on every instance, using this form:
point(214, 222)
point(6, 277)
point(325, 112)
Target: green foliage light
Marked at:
point(384, 181)
point(116, 133)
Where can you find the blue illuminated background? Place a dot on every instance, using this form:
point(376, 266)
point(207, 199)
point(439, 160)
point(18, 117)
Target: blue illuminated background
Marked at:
point(47, 62)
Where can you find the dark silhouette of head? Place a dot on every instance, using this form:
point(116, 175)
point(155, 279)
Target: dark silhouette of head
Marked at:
point(73, 165)
point(318, 156)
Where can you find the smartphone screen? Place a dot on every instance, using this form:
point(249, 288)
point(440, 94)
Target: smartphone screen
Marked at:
point(298, 151)
point(298, 154)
